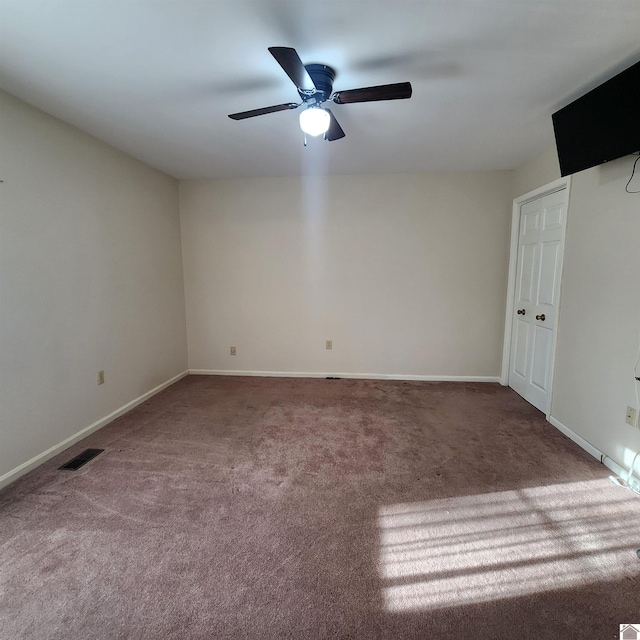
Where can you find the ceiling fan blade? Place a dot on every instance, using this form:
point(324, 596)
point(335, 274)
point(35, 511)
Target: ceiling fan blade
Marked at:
point(334, 132)
point(260, 112)
point(397, 91)
point(289, 60)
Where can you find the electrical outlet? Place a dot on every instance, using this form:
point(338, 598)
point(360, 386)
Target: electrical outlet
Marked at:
point(329, 345)
point(232, 351)
point(101, 377)
point(632, 415)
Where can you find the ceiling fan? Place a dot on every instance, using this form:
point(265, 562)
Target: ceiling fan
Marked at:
point(315, 87)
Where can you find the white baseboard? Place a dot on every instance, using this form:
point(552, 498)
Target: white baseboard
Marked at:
point(618, 469)
point(36, 461)
point(579, 440)
point(355, 376)
point(615, 467)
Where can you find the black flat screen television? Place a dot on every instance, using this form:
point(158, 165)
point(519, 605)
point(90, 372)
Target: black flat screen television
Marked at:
point(602, 125)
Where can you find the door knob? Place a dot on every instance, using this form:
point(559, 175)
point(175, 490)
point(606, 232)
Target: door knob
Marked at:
point(541, 317)
point(521, 312)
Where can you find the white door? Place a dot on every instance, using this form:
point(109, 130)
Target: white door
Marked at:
point(540, 249)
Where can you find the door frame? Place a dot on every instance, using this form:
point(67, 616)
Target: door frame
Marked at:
point(552, 187)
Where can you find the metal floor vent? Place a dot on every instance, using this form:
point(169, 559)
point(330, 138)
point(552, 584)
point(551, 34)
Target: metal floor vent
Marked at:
point(79, 460)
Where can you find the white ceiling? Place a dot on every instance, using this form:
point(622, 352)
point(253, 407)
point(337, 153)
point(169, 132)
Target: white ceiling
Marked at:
point(157, 78)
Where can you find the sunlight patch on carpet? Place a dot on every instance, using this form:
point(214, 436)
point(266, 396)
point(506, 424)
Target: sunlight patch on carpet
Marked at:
point(487, 547)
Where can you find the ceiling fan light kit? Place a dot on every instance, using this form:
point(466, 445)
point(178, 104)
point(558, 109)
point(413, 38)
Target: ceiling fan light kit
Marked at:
point(314, 121)
point(314, 83)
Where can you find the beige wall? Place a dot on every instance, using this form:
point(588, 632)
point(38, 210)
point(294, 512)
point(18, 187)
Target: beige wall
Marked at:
point(405, 273)
point(90, 278)
point(599, 322)
point(538, 171)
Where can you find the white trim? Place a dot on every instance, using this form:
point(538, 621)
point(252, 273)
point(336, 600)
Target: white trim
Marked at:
point(511, 287)
point(552, 187)
point(579, 440)
point(356, 376)
point(608, 462)
point(615, 467)
point(36, 461)
point(556, 185)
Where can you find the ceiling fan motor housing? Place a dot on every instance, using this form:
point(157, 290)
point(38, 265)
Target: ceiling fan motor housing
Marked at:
point(323, 77)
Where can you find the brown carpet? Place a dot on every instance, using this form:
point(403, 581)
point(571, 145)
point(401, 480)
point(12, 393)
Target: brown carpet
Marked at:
point(292, 508)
